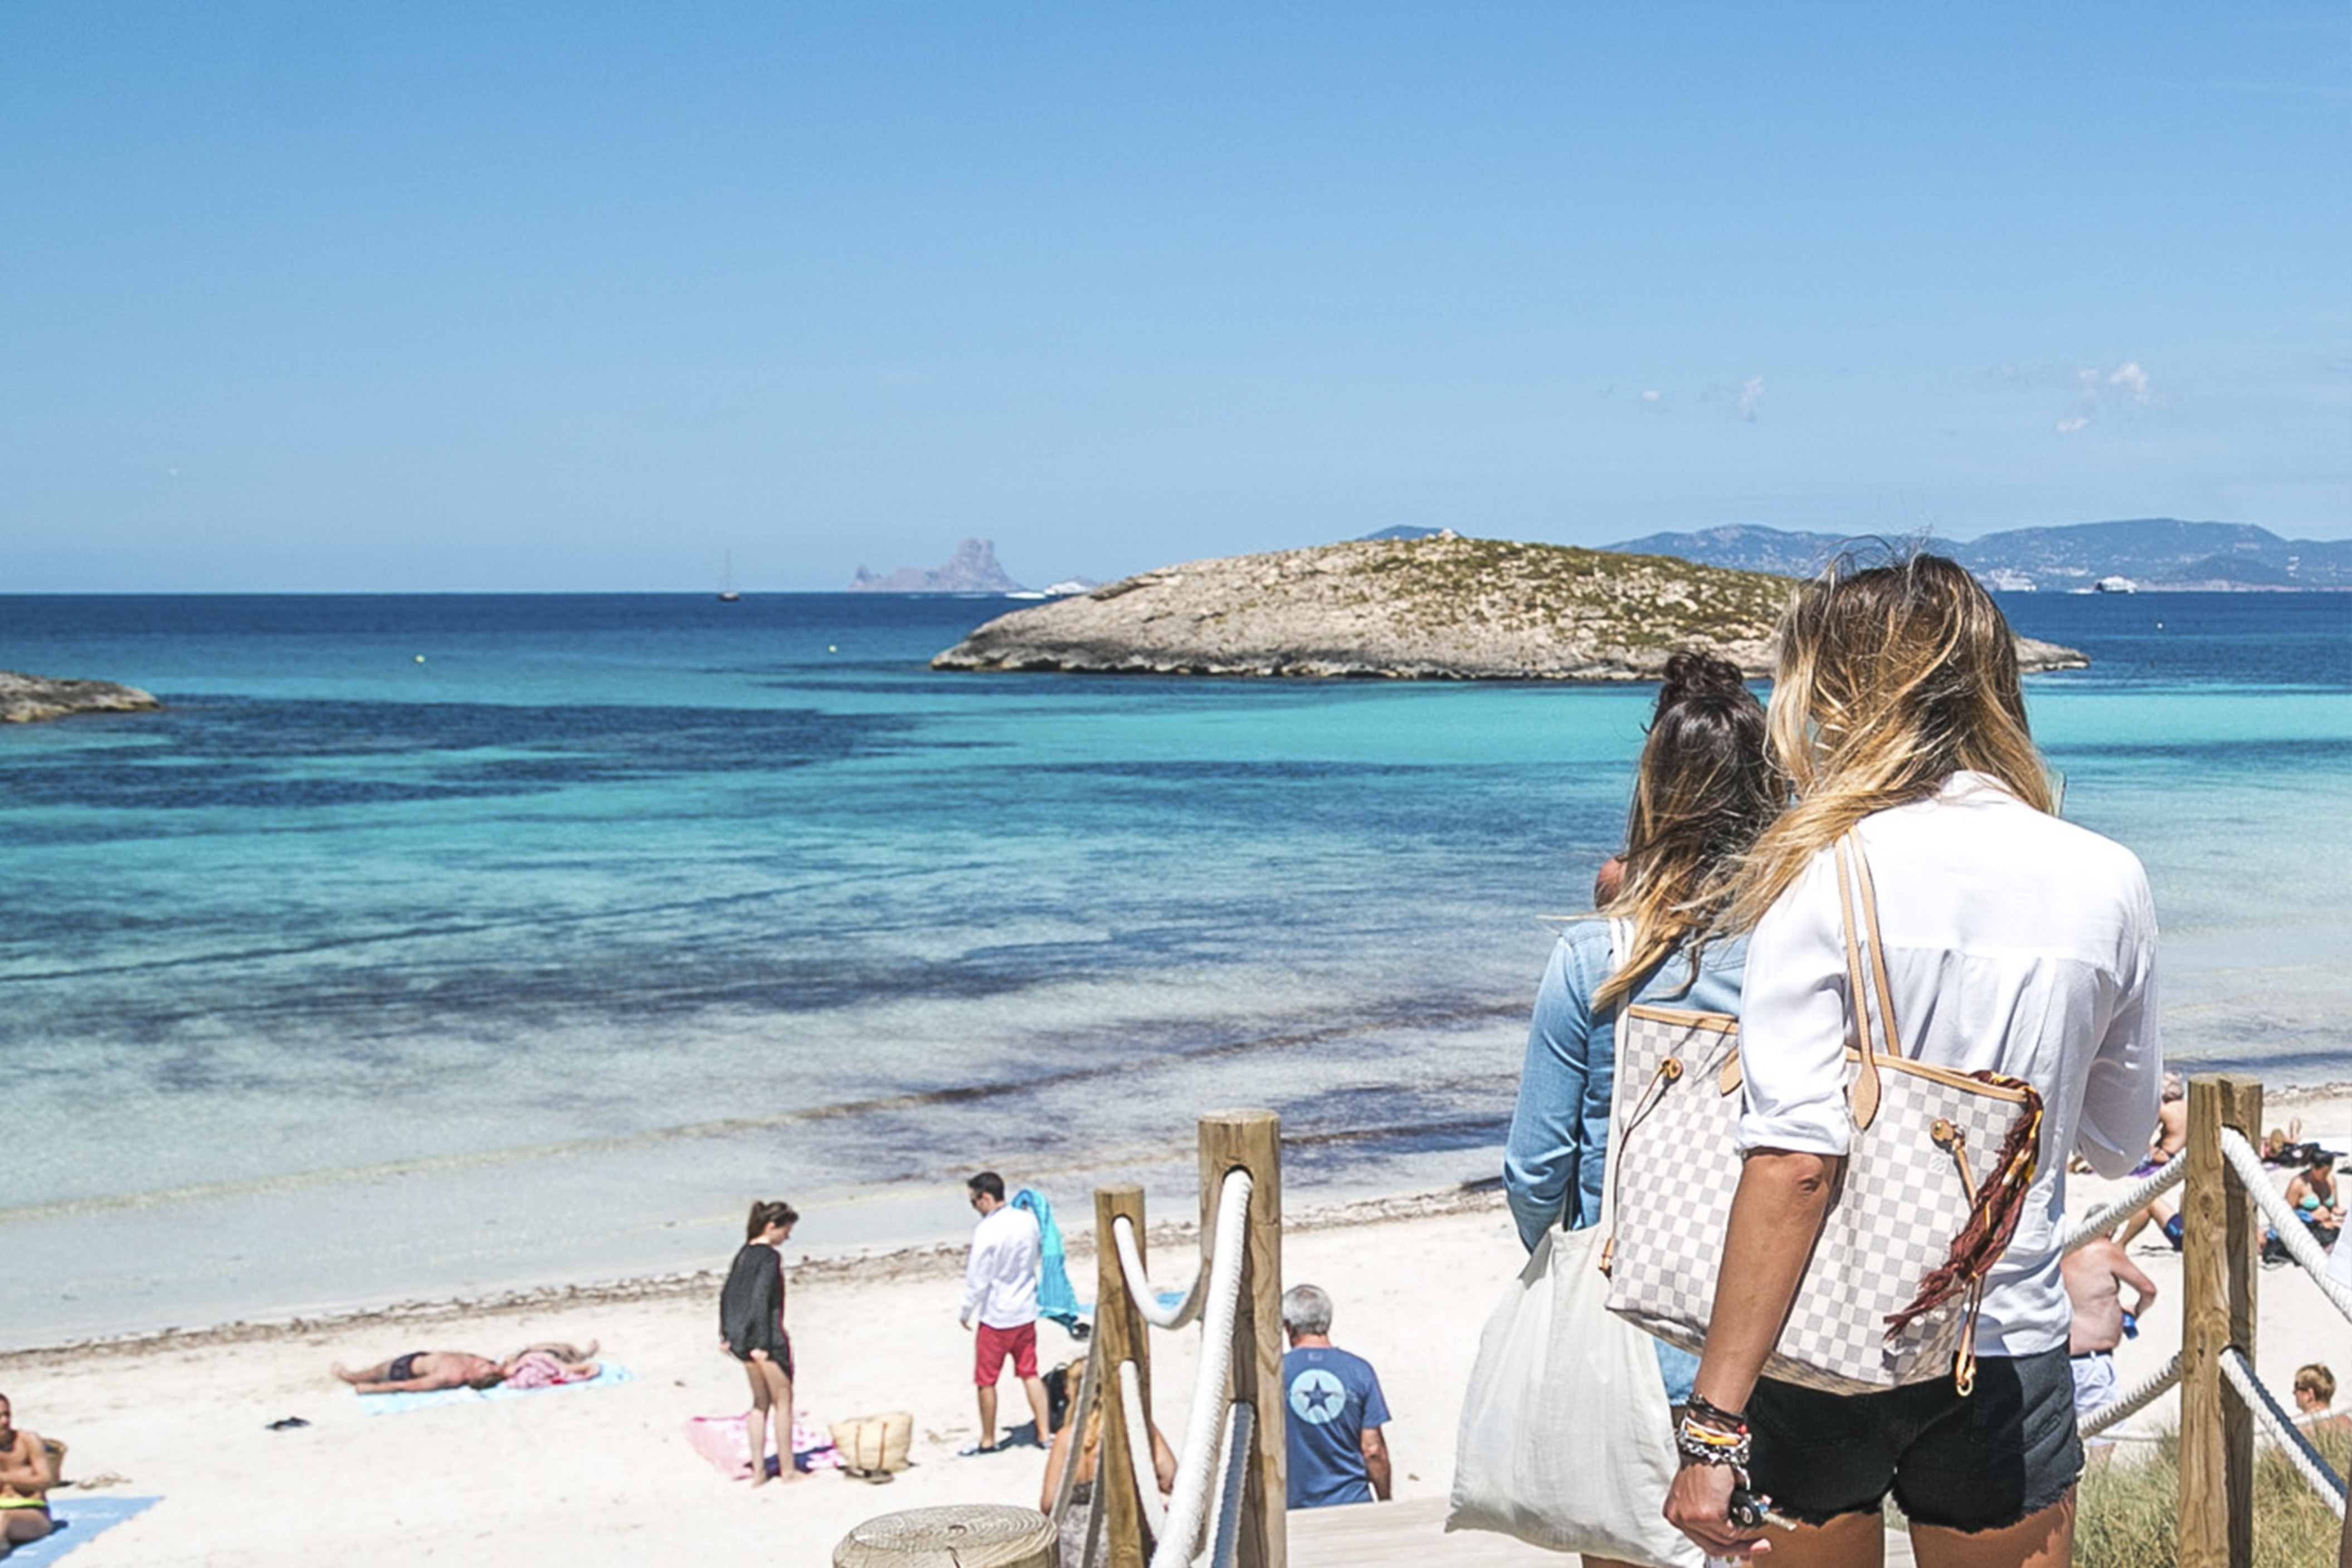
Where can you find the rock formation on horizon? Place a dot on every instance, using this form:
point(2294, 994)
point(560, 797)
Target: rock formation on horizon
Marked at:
point(1442, 607)
point(972, 569)
point(26, 698)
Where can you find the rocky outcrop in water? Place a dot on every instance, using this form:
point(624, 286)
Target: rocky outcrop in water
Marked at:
point(972, 569)
point(24, 698)
point(1444, 607)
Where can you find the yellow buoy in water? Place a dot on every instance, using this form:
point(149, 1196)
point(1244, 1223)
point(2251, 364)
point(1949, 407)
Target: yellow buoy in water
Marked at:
point(420, 658)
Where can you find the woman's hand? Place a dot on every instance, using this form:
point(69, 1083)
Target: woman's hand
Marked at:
point(1699, 1504)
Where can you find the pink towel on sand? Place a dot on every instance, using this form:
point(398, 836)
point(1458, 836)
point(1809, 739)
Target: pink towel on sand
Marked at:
point(537, 1369)
point(720, 1441)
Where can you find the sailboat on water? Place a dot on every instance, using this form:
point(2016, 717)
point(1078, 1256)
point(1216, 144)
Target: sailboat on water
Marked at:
point(727, 593)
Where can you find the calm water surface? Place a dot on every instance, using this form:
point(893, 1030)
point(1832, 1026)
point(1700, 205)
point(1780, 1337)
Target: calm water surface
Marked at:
point(427, 944)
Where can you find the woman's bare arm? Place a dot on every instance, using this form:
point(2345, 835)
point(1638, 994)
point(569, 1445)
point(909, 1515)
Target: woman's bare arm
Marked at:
point(1775, 1213)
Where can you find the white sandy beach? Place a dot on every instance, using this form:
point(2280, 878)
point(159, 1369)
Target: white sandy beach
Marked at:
point(579, 1477)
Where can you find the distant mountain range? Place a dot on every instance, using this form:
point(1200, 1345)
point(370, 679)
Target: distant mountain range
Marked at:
point(2148, 553)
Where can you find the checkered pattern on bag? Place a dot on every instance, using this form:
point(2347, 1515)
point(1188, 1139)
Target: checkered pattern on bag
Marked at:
point(1891, 1219)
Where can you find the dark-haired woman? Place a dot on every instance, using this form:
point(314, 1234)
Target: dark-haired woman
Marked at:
point(2015, 945)
point(752, 1330)
point(1702, 793)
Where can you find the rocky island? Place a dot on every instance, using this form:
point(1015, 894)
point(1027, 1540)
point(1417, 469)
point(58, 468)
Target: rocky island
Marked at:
point(24, 698)
point(1443, 607)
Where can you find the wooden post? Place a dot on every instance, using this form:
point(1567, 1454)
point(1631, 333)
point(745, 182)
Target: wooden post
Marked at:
point(1251, 1140)
point(2221, 1241)
point(1120, 1335)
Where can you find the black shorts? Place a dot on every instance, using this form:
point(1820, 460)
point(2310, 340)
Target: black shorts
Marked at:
point(1979, 1463)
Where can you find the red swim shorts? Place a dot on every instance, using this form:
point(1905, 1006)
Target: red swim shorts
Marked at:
point(991, 1347)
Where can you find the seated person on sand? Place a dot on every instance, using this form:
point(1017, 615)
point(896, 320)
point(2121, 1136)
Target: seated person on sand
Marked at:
point(29, 1468)
point(2284, 1145)
point(2316, 1202)
point(2172, 1137)
point(1087, 1447)
point(425, 1371)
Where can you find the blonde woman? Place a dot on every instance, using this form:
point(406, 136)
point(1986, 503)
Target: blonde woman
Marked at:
point(2016, 944)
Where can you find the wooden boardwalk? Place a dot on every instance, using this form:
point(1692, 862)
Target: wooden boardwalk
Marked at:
point(1395, 1534)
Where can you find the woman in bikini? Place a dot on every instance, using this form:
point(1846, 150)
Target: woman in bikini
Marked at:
point(752, 1330)
point(2316, 1202)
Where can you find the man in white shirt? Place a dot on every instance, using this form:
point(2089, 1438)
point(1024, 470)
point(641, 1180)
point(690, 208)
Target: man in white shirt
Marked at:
point(999, 1292)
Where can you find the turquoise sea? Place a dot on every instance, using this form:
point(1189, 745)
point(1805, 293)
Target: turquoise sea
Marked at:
point(435, 945)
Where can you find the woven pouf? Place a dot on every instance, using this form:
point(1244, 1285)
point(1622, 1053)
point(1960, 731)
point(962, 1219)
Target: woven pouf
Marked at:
point(968, 1535)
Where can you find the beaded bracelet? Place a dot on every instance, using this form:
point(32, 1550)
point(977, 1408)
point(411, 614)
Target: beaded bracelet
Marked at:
point(1708, 1445)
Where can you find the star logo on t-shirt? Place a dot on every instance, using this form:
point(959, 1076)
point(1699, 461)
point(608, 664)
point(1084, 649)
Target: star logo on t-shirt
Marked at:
point(1317, 1396)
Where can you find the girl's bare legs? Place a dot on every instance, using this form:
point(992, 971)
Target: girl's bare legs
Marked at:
point(771, 1403)
point(755, 1420)
point(1849, 1541)
point(2043, 1540)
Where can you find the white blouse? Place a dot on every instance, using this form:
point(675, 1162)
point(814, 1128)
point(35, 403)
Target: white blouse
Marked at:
point(2016, 944)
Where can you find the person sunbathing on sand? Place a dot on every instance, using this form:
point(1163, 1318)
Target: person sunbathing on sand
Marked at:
point(29, 1468)
point(423, 1372)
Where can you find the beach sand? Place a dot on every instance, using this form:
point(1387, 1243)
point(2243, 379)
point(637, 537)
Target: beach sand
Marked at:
point(586, 1477)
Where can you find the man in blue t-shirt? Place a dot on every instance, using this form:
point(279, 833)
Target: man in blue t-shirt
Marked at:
point(1336, 1452)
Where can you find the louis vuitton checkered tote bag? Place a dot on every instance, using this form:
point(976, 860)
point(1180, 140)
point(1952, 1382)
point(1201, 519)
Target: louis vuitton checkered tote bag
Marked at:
point(1937, 1169)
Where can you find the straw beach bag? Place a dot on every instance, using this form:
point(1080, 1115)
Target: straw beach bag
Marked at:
point(875, 1446)
point(1935, 1177)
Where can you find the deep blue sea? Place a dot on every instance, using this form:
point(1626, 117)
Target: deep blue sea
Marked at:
point(438, 944)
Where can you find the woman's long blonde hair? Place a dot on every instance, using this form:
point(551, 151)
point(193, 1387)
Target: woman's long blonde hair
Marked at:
point(1705, 789)
point(1890, 679)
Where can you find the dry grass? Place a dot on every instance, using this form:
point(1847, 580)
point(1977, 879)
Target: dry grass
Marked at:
point(2130, 1510)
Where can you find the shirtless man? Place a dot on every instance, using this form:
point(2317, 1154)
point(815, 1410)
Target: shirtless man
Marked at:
point(2096, 1274)
point(423, 1372)
point(29, 1468)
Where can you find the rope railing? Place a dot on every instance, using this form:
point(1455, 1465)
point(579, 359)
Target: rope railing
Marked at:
point(1139, 1287)
point(2297, 1237)
point(2306, 1459)
point(2102, 1220)
point(1224, 1520)
point(1138, 1450)
point(1196, 1461)
point(2138, 1397)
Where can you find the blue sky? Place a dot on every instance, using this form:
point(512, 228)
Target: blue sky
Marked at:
point(320, 297)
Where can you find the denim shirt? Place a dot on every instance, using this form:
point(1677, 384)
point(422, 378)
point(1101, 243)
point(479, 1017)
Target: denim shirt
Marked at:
point(1559, 1129)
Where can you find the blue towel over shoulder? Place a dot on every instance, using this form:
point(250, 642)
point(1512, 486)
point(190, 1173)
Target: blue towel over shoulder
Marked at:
point(1055, 1299)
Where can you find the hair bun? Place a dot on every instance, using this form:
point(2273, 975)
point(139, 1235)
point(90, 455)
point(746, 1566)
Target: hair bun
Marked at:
point(1694, 674)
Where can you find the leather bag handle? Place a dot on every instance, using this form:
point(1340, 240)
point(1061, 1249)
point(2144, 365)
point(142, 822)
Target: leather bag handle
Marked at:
point(1853, 880)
